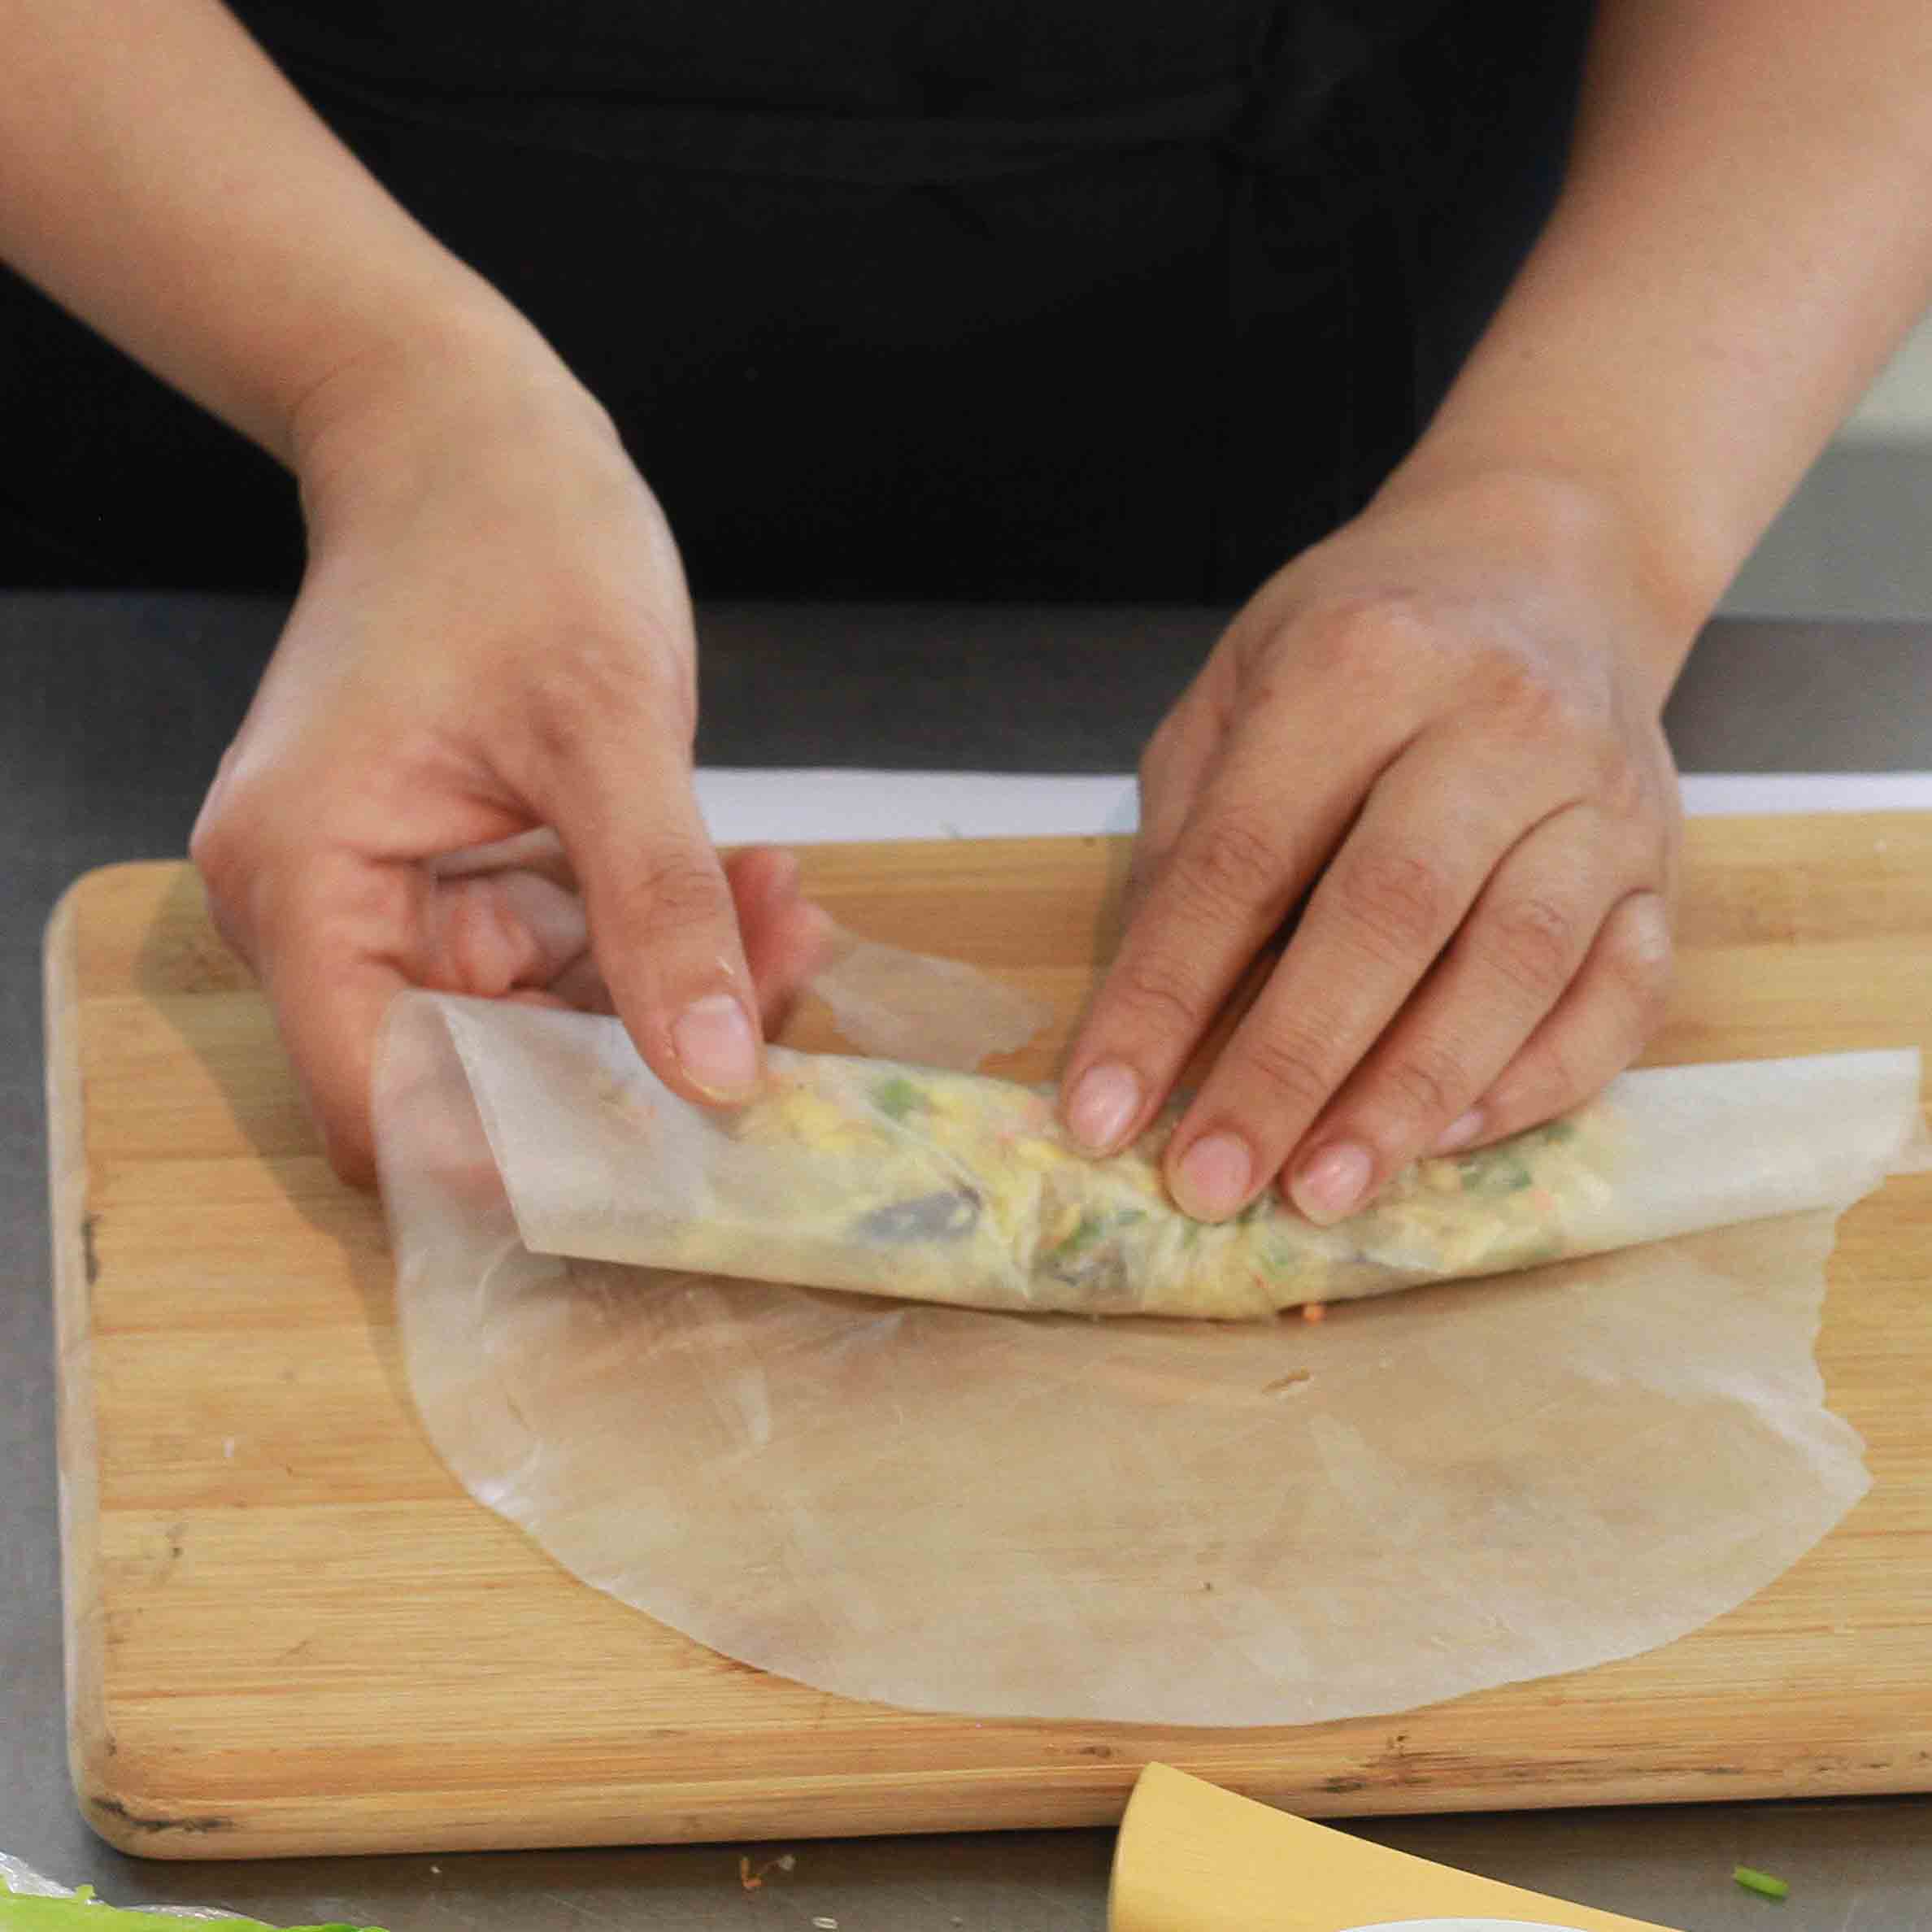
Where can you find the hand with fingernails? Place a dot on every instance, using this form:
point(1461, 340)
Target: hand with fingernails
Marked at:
point(1436, 732)
point(494, 637)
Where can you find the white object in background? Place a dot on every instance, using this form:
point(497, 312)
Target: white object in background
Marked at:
point(812, 807)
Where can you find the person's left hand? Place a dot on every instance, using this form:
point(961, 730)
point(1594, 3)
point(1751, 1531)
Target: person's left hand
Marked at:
point(1440, 726)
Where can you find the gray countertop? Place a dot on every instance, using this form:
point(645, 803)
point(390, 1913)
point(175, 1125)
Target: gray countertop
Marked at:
point(114, 711)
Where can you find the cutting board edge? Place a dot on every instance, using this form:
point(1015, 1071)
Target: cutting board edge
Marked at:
point(663, 1814)
point(88, 1737)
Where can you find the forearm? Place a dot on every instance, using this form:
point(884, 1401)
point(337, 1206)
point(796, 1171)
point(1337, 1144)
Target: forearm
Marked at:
point(161, 180)
point(1741, 242)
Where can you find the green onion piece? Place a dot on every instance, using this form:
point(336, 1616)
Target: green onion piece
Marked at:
point(1091, 1225)
point(1496, 1170)
point(898, 1097)
point(1761, 1882)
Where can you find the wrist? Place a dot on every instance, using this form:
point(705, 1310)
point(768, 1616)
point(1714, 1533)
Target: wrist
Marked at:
point(1572, 527)
point(1675, 506)
point(409, 411)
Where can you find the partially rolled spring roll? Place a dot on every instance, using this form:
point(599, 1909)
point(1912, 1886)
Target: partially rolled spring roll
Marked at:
point(888, 1179)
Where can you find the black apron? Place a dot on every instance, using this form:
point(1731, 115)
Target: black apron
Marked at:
point(987, 299)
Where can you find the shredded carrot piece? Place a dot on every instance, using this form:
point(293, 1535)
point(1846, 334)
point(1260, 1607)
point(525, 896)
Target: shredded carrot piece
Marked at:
point(1314, 1310)
point(753, 1880)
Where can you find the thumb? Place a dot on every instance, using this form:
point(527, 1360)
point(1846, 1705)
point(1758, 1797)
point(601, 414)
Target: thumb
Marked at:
point(664, 924)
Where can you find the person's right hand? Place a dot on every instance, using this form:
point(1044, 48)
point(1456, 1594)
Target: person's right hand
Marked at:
point(493, 635)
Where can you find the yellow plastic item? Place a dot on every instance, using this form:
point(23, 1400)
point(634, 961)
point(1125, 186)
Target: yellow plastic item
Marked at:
point(1194, 1858)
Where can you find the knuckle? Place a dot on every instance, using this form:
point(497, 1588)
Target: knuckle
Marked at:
point(1430, 1083)
point(1534, 944)
point(1368, 637)
point(483, 951)
point(217, 847)
point(1237, 862)
point(212, 844)
point(206, 851)
point(1626, 788)
point(1399, 900)
point(1531, 711)
point(1519, 688)
point(1638, 954)
point(1161, 996)
point(671, 893)
point(598, 685)
point(1544, 1084)
point(1292, 1071)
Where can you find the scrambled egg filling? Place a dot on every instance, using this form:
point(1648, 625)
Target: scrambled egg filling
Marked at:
point(955, 1187)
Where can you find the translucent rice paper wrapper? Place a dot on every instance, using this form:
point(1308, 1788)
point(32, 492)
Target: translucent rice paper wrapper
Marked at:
point(904, 1005)
point(1163, 1521)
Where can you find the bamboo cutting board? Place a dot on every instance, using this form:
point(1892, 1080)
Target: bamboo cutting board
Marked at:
point(288, 1631)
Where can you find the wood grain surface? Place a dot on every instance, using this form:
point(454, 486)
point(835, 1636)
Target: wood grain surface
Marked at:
point(288, 1631)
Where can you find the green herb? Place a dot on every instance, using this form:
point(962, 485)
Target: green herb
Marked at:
point(1761, 1882)
point(1496, 1170)
point(1552, 1133)
point(1088, 1230)
point(1092, 1224)
point(898, 1097)
point(21, 1912)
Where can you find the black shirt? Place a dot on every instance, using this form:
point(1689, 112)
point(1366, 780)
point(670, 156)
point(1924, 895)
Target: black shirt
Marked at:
point(1075, 299)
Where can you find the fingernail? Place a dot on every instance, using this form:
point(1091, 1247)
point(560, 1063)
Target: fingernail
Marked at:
point(1104, 1100)
point(1459, 1133)
point(1330, 1184)
point(1213, 1179)
point(717, 1048)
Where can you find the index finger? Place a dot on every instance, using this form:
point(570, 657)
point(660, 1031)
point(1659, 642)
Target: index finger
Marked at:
point(1428, 838)
point(663, 923)
point(1258, 834)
